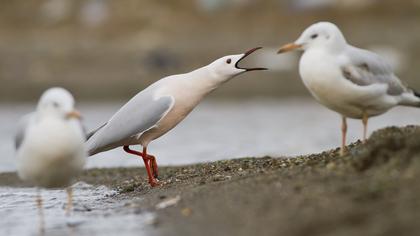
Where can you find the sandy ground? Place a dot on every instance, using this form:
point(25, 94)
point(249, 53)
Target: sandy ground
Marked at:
point(373, 190)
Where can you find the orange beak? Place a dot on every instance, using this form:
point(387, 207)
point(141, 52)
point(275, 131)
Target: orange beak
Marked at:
point(74, 114)
point(289, 47)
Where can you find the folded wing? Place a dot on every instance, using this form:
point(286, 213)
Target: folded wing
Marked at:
point(138, 115)
point(365, 68)
point(21, 129)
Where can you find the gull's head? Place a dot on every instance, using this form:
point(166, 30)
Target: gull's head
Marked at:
point(322, 35)
point(228, 66)
point(58, 102)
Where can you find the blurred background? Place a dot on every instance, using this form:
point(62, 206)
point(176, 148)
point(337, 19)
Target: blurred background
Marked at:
point(102, 49)
point(106, 51)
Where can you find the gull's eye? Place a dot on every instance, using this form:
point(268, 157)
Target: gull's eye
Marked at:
point(55, 104)
point(314, 36)
point(228, 61)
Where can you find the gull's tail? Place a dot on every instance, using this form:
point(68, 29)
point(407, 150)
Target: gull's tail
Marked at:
point(417, 94)
point(92, 149)
point(410, 98)
point(91, 133)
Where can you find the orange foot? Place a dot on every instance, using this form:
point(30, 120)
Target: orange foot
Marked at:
point(154, 183)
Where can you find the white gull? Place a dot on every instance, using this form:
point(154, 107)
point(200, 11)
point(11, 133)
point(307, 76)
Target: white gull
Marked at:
point(351, 81)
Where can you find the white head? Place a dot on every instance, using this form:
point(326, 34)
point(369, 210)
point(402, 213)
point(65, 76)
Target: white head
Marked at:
point(59, 102)
point(228, 66)
point(323, 35)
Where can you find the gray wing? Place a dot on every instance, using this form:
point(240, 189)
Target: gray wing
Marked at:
point(21, 128)
point(139, 114)
point(366, 68)
point(91, 133)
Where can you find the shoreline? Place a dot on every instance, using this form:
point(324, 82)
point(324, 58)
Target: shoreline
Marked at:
point(373, 191)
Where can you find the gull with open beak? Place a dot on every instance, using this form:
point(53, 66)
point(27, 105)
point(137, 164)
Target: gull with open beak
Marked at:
point(351, 81)
point(50, 145)
point(160, 107)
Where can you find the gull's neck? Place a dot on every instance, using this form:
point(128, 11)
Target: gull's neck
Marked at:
point(206, 79)
point(330, 49)
point(46, 114)
point(338, 45)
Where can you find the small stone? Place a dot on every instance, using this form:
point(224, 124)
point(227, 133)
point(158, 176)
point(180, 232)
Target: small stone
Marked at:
point(186, 211)
point(151, 220)
point(138, 211)
point(331, 166)
point(169, 202)
point(218, 178)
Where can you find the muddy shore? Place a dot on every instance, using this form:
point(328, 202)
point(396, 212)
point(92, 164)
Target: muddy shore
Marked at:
point(373, 190)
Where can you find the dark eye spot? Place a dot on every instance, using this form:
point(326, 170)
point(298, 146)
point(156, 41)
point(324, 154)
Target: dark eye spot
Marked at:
point(228, 61)
point(55, 104)
point(314, 36)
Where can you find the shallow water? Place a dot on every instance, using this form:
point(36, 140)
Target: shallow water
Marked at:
point(215, 130)
point(219, 130)
point(19, 213)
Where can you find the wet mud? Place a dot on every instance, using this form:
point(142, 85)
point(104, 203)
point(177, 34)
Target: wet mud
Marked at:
point(373, 190)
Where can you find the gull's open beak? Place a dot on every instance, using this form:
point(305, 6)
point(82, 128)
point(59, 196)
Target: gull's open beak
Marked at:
point(245, 55)
point(289, 47)
point(74, 114)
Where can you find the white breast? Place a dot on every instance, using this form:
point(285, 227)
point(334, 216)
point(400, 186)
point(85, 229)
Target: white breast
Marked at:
point(187, 94)
point(320, 74)
point(52, 153)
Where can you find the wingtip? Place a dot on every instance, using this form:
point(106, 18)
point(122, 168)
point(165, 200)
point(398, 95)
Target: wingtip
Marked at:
point(417, 94)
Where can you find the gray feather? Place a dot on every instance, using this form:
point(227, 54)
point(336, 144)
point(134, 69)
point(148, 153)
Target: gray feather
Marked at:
point(91, 133)
point(139, 114)
point(366, 68)
point(21, 129)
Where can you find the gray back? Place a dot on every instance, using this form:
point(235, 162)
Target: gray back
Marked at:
point(139, 114)
point(366, 68)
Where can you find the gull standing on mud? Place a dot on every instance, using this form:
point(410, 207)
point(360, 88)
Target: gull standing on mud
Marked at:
point(160, 107)
point(50, 145)
point(351, 81)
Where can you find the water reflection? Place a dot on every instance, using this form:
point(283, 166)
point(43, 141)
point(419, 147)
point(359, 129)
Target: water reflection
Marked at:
point(95, 213)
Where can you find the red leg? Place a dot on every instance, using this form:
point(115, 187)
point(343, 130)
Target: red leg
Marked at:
point(152, 181)
point(146, 159)
point(153, 162)
point(128, 150)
